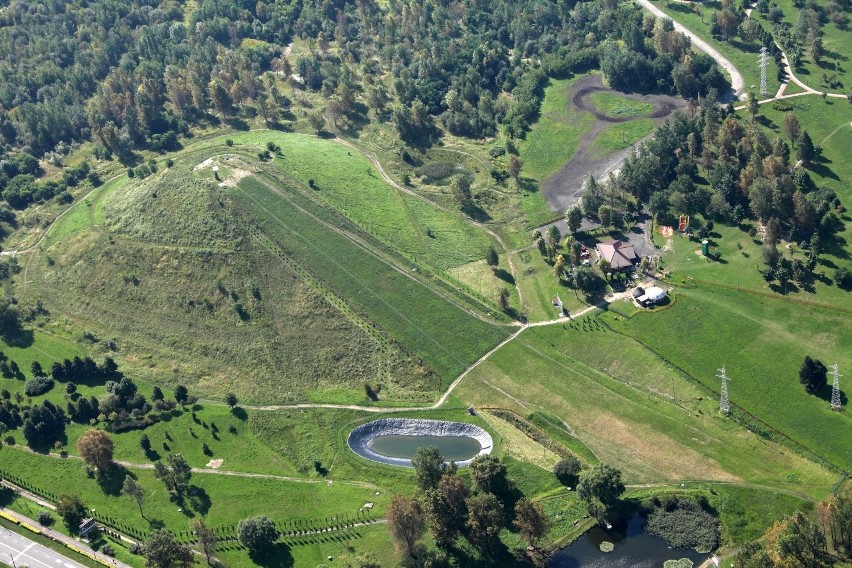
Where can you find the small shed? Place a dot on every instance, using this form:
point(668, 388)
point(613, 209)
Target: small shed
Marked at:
point(87, 527)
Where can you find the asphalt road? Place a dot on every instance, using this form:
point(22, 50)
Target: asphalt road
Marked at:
point(20, 551)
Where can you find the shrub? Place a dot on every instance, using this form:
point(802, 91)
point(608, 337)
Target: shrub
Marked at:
point(843, 277)
point(684, 524)
point(108, 550)
point(45, 519)
point(135, 548)
point(567, 471)
point(38, 385)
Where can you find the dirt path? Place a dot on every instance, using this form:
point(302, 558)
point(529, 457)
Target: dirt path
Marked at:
point(563, 189)
point(737, 81)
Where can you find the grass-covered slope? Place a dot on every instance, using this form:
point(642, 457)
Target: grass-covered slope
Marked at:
point(216, 287)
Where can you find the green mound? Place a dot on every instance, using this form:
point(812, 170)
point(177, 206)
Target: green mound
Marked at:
point(198, 282)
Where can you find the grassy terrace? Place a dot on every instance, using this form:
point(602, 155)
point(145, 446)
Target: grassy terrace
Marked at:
point(417, 316)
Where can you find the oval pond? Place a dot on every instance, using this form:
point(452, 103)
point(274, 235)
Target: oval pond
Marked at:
point(456, 448)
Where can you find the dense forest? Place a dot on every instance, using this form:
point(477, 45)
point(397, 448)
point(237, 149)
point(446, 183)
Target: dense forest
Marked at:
point(133, 75)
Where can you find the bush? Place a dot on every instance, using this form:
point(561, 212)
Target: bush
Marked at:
point(38, 385)
point(567, 471)
point(45, 519)
point(108, 550)
point(135, 548)
point(843, 277)
point(684, 524)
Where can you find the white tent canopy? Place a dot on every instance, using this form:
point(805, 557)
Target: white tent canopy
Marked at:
point(654, 294)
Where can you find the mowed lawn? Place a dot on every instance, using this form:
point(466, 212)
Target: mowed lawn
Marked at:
point(430, 323)
point(761, 342)
point(632, 410)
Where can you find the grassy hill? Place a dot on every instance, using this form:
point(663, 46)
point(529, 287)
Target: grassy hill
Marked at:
point(258, 286)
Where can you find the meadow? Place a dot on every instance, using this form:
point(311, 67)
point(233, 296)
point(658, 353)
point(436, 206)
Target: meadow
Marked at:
point(656, 424)
point(617, 106)
point(420, 318)
point(761, 341)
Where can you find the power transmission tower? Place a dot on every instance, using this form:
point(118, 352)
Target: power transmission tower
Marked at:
point(724, 404)
point(835, 389)
point(762, 61)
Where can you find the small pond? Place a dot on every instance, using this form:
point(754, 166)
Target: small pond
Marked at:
point(456, 448)
point(634, 548)
point(394, 441)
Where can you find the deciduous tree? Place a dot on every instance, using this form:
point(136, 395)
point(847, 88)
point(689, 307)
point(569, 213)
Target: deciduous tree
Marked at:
point(428, 467)
point(96, 448)
point(601, 482)
point(407, 523)
point(530, 521)
point(161, 550)
point(485, 519)
point(257, 534)
point(134, 489)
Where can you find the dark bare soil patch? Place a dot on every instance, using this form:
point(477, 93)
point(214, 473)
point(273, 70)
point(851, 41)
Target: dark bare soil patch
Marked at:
point(563, 189)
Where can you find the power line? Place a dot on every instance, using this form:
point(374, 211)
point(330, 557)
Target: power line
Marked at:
point(724, 403)
point(836, 403)
point(762, 60)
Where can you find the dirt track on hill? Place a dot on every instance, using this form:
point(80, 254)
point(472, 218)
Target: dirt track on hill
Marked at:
point(563, 189)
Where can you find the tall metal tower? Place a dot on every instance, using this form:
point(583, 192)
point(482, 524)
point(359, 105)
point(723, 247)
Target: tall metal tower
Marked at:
point(724, 404)
point(762, 61)
point(835, 389)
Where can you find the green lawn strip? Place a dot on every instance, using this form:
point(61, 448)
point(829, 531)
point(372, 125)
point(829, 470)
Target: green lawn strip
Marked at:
point(409, 311)
point(744, 56)
point(371, 541)
point(83, 214)
point(761, 342)
point(628, 419)
point(621, 135)
point(617, 106)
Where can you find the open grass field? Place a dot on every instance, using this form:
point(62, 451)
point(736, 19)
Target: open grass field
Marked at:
point(538, 284)
point(761, 342)
point(632, 410)
point(743, 55)
point(415, 315)
point(617, 106)
point(350, 183)
point(621, 135)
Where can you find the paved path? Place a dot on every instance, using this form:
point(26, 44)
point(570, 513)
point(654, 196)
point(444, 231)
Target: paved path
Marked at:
point(27, 552)
point(737, 81)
